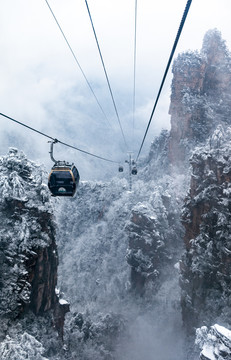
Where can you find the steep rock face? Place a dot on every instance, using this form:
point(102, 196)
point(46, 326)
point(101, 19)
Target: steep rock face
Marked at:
point(28, 254)
point(153, 232)
point(200, 98)
point(146, 246)
point(157, 162)
point(206, 264)
point(187, 84)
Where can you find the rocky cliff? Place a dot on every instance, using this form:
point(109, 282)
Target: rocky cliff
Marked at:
point(200, 103)
point(200, 98)
point(28, 253)
point(154, 231)
point(200, 117)
point(206, 264)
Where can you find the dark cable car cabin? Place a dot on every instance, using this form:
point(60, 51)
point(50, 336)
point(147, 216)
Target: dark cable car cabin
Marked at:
point(63, 180)
point(134, 170)
point(121, 169)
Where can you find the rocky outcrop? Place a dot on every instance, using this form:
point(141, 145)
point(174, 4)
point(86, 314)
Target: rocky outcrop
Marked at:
point(200, 98)
point(146, 246)
point(154, 233)
point(30, 255)
point(206, 264)
point(214, 342)
point(186, 101)
point(28, 252)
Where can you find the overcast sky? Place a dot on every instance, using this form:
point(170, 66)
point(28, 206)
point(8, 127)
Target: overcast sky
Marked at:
point(42, 85)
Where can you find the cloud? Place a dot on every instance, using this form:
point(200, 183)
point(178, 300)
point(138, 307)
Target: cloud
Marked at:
point(42, 86)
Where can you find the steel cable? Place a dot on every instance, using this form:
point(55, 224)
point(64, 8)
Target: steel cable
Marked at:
point(166, 71)
point(105, 71)
point(56, 140)
point(77, 62)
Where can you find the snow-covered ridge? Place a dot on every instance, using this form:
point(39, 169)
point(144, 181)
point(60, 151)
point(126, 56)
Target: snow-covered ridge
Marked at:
point(214, 342)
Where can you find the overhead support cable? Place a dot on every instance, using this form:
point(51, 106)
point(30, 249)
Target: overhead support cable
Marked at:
point(77, 62)
point(134, 75)
point(58, 141)
point(105, 72)
point(166, 71)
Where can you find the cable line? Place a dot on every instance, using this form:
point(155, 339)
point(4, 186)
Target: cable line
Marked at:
point(56, 140)
point(134, 74)
point(105, 71)
point(167, 68)
point(77, 62)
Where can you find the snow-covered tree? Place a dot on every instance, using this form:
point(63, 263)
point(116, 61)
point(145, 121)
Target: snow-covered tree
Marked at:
point(23, 347)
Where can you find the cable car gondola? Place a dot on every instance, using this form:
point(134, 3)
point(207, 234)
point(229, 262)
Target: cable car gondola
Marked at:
point(134, 170)
point(63, 178)
point(121, 169)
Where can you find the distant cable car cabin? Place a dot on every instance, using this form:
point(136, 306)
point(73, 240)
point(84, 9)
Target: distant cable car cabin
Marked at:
point(63, 178)
point(134, 170)
point(121, 169)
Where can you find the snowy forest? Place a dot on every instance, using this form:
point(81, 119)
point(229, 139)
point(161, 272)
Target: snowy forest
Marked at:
point(114, 274)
